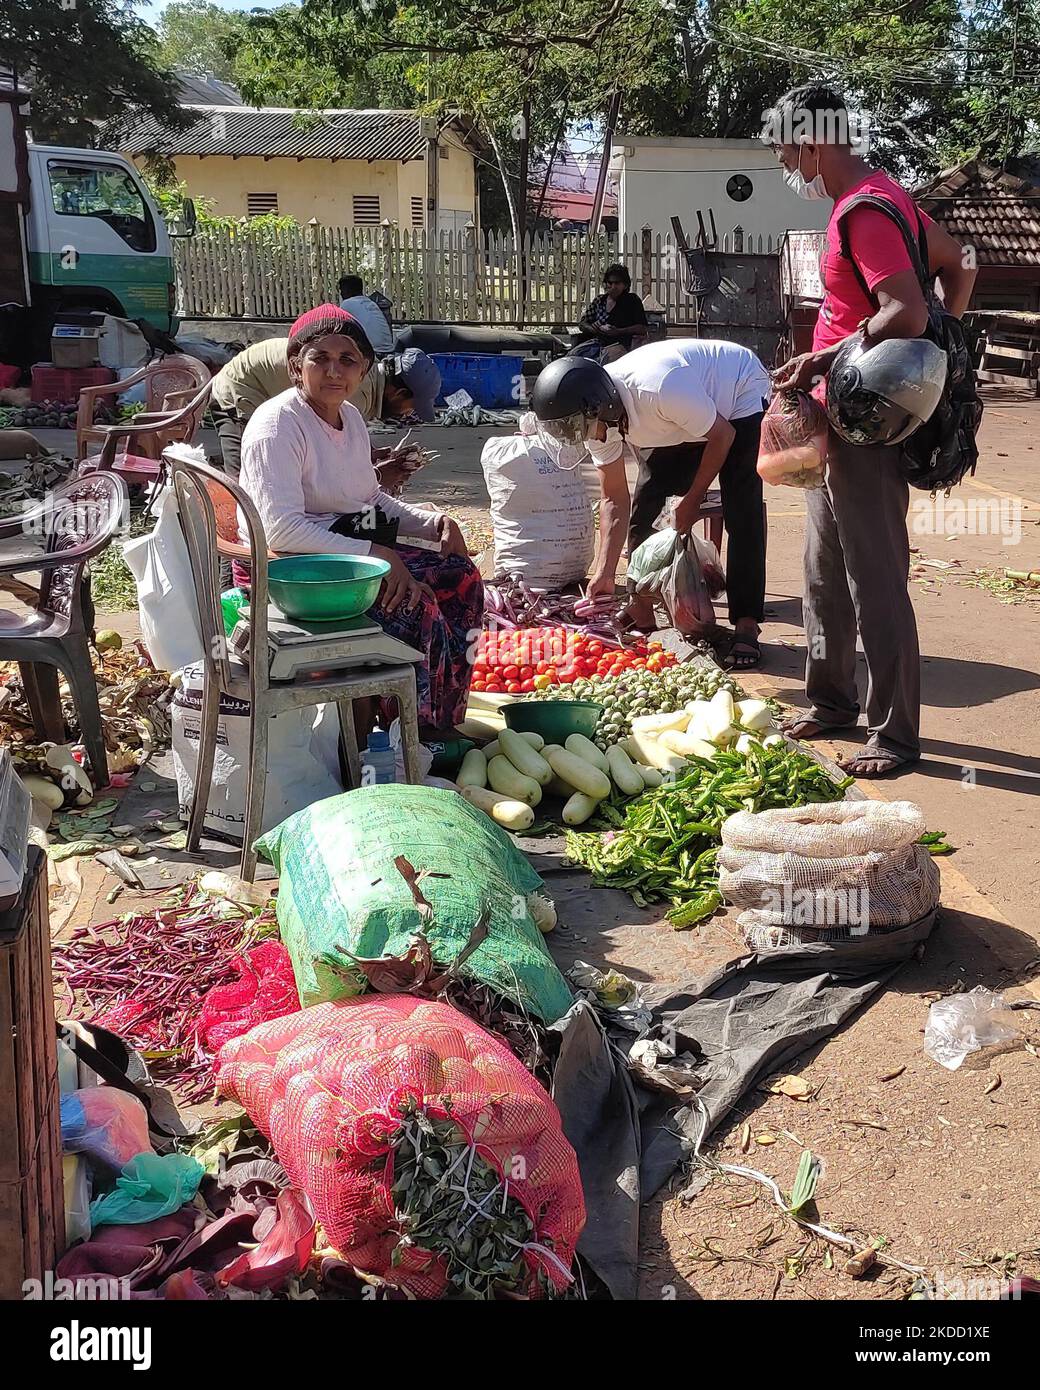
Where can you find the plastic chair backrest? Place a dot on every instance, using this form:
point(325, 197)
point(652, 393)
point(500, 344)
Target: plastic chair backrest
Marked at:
point(173, 374)
point(196, 486)
point(81, 517)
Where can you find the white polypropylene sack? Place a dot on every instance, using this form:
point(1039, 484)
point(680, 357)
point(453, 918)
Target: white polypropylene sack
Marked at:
point(165, 590)
point(541, 513)
point(302, 758)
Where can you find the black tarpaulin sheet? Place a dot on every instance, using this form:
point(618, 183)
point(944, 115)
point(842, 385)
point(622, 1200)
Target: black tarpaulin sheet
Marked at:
point(746, 1020)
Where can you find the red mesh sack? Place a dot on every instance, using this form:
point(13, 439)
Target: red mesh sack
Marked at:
point(793, 447)
point(265, 989)
point(327, 1086)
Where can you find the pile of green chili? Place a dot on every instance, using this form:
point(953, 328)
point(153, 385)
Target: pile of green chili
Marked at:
point(663, 846)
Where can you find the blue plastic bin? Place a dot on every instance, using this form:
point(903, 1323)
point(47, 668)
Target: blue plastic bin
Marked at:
point(492, 380)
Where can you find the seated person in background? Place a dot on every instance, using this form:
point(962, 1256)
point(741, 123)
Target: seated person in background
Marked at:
point(400, 387)
point(307, 466)
point(368, 313)
point(615, 322)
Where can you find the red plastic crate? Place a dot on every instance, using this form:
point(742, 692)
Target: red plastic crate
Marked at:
point(65, 383)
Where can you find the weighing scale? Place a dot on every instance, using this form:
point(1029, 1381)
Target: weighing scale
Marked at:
point(297, 647)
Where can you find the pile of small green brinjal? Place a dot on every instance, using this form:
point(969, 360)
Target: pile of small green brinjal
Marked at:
point(662, 846)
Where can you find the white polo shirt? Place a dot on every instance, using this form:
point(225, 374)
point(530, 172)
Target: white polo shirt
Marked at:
point(674, 391)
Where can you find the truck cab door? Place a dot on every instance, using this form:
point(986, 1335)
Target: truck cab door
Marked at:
point(103, 236)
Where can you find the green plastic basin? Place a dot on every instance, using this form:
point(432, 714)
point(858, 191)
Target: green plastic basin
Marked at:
point(553, 719)
point(323, 588)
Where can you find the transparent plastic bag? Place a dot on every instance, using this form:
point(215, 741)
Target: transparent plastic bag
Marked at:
point(109, 1125)
point(684, 573)
point(793, 447)
point(148, 1187)
point(966, 1023)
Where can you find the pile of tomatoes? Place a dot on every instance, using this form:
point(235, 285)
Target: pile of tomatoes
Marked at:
point(531, 658)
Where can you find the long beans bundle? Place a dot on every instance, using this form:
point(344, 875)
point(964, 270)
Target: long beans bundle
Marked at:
point(665, 843)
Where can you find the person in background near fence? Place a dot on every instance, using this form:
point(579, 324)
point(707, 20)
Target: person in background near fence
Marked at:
point(857, 552)
point(368, 312)
point(397, 388)
point(615, 322)
point(691, 410)
point(307, 465)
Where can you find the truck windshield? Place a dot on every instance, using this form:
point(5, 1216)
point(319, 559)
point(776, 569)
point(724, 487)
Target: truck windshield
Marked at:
point(104, 191)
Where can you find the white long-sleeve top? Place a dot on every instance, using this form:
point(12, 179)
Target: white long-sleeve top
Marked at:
point(302, 475)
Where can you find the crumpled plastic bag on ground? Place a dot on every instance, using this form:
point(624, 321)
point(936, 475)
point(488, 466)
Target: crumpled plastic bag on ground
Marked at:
point(149, 1186)
point(109, 1125)
point(966, 1023)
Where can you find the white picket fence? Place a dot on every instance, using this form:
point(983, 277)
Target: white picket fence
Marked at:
point(452, 277)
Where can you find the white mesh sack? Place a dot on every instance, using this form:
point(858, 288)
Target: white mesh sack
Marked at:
point(827, 829)
point(812, 896)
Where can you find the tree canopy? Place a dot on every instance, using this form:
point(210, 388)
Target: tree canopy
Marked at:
point(85, 63)
point(941, 79)
point(200, 37)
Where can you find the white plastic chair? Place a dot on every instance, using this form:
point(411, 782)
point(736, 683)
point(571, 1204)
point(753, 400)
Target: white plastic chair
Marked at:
point(196, 485)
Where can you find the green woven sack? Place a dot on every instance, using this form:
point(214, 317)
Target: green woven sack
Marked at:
point(338, 887)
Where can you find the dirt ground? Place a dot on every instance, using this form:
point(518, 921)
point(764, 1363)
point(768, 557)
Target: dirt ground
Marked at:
point(942, 1168)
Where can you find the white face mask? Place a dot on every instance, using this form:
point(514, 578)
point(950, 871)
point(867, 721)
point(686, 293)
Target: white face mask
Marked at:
point(812, 188)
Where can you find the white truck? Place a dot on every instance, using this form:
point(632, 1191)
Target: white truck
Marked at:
point(78, 230)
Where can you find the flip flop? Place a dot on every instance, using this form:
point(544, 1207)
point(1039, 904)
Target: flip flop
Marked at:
point(752, 650)
point(891, 762)
point(820, 730)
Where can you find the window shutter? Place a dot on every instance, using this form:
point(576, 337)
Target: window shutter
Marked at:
point(259, 203)
point(366, 209)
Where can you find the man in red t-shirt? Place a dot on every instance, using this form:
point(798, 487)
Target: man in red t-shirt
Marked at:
point(857, 551)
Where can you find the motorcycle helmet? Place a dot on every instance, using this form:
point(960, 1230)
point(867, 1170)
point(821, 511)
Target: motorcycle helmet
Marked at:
point(570, 392)
point(881, 394)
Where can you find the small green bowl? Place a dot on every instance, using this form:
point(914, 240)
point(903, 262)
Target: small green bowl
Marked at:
point(553, 719)
point(324, 588)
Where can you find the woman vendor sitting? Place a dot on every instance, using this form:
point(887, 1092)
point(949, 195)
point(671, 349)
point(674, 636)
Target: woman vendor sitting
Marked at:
point(307, 466)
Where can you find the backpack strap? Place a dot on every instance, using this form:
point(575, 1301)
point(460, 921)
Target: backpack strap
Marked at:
point(916, 246)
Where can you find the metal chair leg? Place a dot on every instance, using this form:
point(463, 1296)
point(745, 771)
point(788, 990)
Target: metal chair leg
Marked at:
point(256, 788)
point(349, 742)
point(408, 713)
point(83, 684)
point(204, 765)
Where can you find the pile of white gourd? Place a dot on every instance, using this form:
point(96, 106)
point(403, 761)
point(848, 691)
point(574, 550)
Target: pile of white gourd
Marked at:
point(507, 778)
point(699, 730)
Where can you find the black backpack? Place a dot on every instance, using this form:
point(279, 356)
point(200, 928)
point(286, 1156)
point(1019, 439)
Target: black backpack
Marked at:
point(943, 450)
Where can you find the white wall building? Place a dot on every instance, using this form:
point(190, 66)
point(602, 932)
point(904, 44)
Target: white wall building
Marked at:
point(739, 180)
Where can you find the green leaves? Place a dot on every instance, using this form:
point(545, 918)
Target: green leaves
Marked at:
point(805, 1181)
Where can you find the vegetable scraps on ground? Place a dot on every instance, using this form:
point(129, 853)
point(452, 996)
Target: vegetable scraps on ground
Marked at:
point(666, 842)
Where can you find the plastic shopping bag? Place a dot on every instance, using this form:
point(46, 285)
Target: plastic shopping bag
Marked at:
point(793, 447)
point(165, 590)
point(302, 757)
point(684, 573)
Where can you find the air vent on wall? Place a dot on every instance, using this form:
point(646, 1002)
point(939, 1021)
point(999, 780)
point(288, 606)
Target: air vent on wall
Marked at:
point(740, 188)
point(257, 204)
point(366, 209)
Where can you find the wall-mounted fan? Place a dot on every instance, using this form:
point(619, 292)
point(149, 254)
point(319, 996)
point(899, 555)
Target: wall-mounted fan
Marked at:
point(740, 188)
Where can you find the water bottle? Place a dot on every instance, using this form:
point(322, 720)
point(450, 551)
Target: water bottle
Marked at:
point(378, 760)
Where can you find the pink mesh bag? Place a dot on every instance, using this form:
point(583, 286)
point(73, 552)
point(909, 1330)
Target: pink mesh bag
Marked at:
point(326, 1086)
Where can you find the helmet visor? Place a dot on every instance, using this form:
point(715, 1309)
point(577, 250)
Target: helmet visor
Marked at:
point(568, 429)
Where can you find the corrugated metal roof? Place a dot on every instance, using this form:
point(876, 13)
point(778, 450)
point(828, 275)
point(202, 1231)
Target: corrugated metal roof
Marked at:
point(997, 213)
point(284, 133)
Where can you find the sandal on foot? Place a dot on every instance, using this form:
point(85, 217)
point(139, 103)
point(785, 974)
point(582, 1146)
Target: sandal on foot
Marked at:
point(745, 654)
point(799, 726)
point(884, 763)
